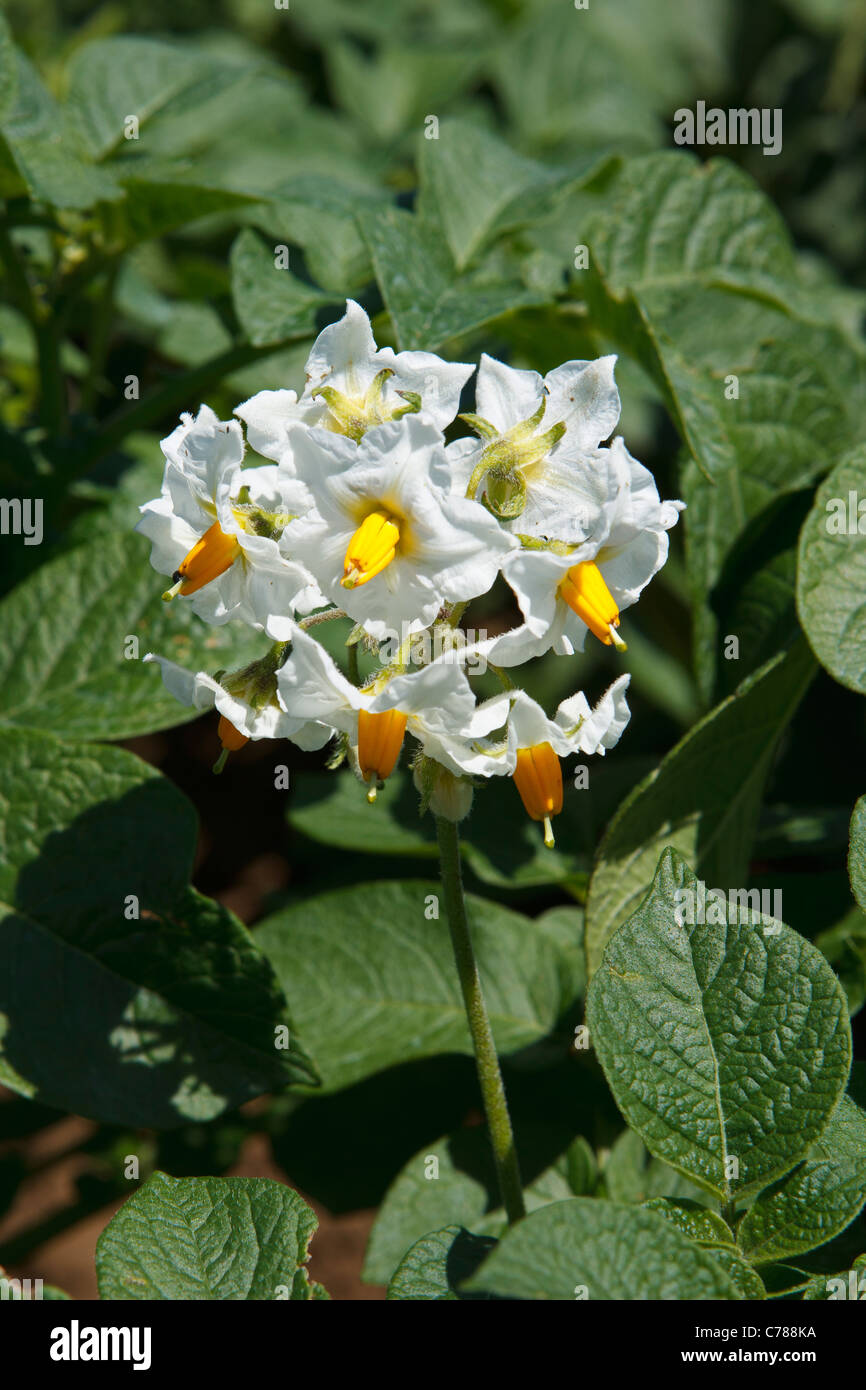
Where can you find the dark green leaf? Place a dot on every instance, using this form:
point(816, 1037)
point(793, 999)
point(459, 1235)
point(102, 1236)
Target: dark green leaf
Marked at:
point(725, 1038)
point(124, 994)
point(195, 1239)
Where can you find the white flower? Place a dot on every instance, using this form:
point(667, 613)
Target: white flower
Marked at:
point(351, 386)
point(429, 703)
point(246, 701)
point(577, 727)
point(217, 528)
point(566, 590)
point(529, 745)
point(384, 540)
point(537, 438)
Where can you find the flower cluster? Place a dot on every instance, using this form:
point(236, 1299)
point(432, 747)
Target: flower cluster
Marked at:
point(364, 511)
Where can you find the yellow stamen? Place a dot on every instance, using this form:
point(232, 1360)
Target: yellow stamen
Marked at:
point(538, 778)
point(587, 595)
point(372, 547)
point(380, 738)
point(209, 558)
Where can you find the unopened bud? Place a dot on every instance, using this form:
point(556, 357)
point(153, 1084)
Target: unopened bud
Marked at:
point(442, 793)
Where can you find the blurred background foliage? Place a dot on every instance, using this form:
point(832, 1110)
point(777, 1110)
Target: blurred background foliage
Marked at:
point(149, 259)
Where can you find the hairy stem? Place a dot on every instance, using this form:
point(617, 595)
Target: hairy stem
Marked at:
point(489, 1075)
point(352, 659)
point(316, 618)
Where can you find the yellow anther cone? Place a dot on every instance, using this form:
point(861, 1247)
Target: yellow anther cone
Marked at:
point(587, 595)
point(372, 547)
point(380, 738)
point(209, 558)
point(538, 778)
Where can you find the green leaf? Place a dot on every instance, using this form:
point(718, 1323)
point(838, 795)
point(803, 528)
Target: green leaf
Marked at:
point(332, 810)
point(817, 1200)
point(429, 302)
point(754, 597)
point(703, 800)
point(609, 1251)
point(112, 79)
point(670, 216)
point(51, 162)
point(631, 1174)
point(318, 214)
point(453, 1180)
point(66, 630)
point(272, 305)
point(371, 982)
point(697, 1222)
point(505, 851)
point(124, 994)
point(408, 81)
point(844, 945)
point(831, 577)
point(201, 1239)
point(560, 77)
point(739, 1271)
point(476, 186)
point(724, 1039)
point(156, 205)
point(437, 1263)
point(8, 69)
point(564, 927)
point(846, 1284)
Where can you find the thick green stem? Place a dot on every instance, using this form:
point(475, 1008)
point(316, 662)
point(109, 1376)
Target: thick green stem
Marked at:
point(489, 1075)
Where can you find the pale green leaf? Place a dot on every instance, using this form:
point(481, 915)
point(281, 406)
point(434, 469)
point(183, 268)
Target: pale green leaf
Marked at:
point(695, 1221)
point(429, 302)
point(271, 303)
point(476, 186)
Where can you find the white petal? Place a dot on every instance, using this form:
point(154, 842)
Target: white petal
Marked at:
point(506, 395)
point(585, 397)
point(343, 354)
point(172, 538)
point(268, 415)
point(599, 728)
point(310, 685)
point(206, 453)
point(569, 498)
point(437, 382)
point(188, 687)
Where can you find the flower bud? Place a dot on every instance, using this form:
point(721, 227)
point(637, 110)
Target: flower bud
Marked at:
point(442, 793)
